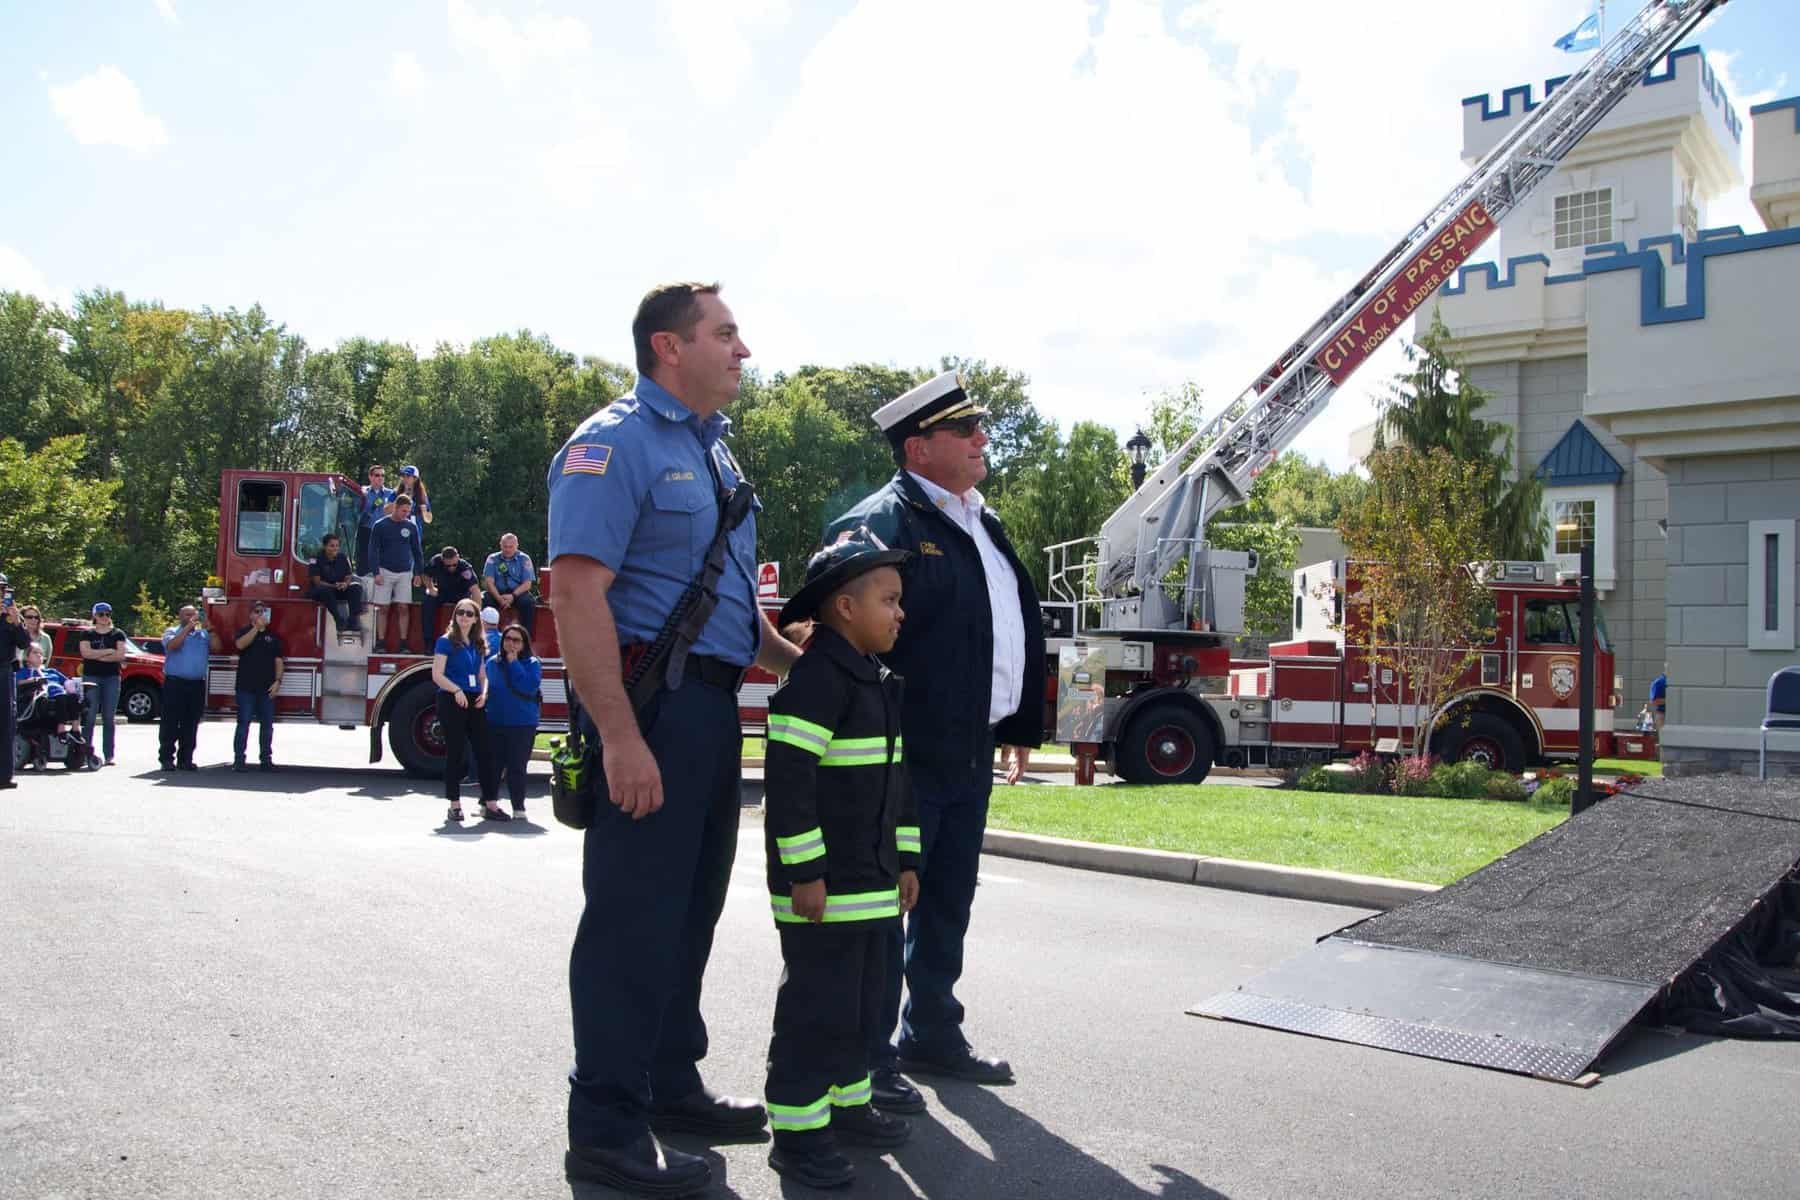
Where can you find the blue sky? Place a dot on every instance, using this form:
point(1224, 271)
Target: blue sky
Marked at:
point(1113, 197)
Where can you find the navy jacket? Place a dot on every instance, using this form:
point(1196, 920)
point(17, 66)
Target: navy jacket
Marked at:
point(946, 646)
point(394, 547)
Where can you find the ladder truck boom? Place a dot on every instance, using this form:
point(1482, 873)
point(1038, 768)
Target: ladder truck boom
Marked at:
point(1165, 519)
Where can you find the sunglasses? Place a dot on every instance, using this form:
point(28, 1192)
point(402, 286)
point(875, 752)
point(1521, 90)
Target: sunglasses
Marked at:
point(468, 612)
point(962, 427)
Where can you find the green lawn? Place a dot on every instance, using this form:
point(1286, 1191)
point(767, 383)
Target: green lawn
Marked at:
point(1396, 837)
point(1647, 767)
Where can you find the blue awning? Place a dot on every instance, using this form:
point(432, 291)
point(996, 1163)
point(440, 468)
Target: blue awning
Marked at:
point(1579, 458)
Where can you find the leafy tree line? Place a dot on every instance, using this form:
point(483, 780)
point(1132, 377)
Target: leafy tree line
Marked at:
point(117, 417)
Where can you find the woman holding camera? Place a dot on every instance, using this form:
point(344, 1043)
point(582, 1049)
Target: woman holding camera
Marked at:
point(515, 681)
point(459, 669)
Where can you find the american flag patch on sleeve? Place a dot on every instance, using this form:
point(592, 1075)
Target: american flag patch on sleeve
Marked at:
point(586, 460)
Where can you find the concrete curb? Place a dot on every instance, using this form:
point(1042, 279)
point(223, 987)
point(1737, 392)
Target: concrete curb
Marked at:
point(1297, 883)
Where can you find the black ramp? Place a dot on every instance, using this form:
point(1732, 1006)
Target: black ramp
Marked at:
point(1536, 962)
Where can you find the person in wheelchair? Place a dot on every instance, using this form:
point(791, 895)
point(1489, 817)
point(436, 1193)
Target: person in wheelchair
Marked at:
point(49, 715)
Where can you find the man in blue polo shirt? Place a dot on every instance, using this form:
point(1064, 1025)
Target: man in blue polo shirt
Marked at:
point(508, 576)
point(633, 509)
point(186, 648)
point(377, 502)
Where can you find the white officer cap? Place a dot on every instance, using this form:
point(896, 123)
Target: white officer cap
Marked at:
point(940, 398)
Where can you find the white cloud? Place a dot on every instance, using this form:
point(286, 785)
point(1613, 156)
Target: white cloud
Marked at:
point(104, 109)
point(1734, 208)
point(509, 46)
point(167, 9)
point(716, 38)
point(592, 154)
point(17, 274)
point(406, 78)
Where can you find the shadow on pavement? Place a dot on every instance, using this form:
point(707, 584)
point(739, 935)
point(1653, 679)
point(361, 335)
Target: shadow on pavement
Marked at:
point(1647, 1045)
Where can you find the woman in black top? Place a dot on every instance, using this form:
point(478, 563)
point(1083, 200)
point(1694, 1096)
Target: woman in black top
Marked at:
point(102, 650)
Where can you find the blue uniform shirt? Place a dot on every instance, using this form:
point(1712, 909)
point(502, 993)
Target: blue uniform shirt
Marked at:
point(189, 660)
point(630, 489)
point(463, 665)
point(508, 573)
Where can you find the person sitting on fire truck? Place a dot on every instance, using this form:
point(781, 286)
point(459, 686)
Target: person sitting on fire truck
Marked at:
point(394, 549)
point(331, 584)
point(448, 578)
point(508, 576)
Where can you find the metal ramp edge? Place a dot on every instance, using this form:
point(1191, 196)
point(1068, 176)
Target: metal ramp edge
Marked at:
point(1529, 1021)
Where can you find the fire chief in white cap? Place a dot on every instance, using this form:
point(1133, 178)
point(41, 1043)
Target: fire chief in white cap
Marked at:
point(972, 653)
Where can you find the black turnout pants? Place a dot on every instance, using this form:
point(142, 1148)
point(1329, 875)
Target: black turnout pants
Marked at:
point(827, 1011)
point(465, 729)
point(345, 606)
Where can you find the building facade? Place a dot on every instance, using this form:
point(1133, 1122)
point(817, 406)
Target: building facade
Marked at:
point(1648, 366)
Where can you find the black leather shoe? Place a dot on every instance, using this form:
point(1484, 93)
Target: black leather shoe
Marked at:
point(711, 1115)
point(867, 1125)
point(961, 1063)
point(820, 1168)
point(893, 1093)
point(640, 1168)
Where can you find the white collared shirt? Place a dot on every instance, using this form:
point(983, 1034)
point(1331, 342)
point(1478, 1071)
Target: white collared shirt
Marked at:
point(1003, 598)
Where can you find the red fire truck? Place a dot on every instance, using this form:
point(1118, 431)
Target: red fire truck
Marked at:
point(270, 527)
point(1324, 694)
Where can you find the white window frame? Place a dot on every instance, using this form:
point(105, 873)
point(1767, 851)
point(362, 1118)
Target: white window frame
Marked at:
point(1577, 224)
point(1757, 634)
point(1606, 531)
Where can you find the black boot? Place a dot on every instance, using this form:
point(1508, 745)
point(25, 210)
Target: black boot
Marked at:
point(640, 1167)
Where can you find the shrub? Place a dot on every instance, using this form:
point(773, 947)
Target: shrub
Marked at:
point(1554, 792)
point(1417, 776)
point(1368, 774)
point(1463, 780)
point(1317, 779)
point(1501, 786)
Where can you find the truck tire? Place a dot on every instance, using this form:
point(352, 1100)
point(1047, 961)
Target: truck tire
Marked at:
point(1167, 742)
point(1486, 739)
point(140, 702)
point(413, 731)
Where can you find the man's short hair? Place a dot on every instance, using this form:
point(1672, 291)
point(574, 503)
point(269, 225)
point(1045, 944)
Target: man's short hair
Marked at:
point(667, 308)
point(449, 552)
point(402, 499)
point(330, 537)
point(374, 467)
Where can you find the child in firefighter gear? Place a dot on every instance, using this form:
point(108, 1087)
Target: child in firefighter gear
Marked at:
point(842, 843)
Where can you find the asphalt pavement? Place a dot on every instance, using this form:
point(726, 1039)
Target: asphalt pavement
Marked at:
point(306, 985)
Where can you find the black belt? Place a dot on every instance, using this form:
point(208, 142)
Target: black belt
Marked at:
point(715, 671)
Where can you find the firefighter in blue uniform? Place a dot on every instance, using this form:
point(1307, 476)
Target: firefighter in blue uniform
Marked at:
point(633, 509)
point(972, 654)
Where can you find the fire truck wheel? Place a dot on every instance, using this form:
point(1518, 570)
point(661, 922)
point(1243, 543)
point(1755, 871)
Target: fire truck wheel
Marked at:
point(1488, 740)
point(413, 732)
point(140, 703)
point(1166, 743)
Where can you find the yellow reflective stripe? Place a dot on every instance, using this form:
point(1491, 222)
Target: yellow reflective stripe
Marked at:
point(802, 847)
point(906, 837)
point(851, 1095)
point(801, 1116)
point(798, 733)
point(851, 906)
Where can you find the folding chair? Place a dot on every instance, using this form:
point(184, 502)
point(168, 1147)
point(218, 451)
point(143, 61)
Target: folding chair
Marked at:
point(1782, 711)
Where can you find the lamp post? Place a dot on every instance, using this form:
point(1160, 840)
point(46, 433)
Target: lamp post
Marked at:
point(1137, 447)
point(1584, 777)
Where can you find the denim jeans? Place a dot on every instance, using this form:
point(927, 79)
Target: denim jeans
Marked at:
point(102, 701)
point(256, 706)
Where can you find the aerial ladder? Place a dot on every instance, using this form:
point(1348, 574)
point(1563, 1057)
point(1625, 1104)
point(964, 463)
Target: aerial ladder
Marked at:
point(1151, 576)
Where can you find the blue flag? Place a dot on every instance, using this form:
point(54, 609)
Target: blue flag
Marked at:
point(1584, 36)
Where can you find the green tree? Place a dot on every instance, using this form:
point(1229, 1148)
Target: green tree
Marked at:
point(1418, 612)
point(1065, 492)
point(1433, 405)
point(808, 464)
point(50, 510)
point(1301, 492)
point(39, 396)
point(149, 615)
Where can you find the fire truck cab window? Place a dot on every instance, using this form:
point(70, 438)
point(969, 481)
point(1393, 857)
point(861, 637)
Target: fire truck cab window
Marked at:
point(324, 509)
point(259, 509)
point(1549, 623)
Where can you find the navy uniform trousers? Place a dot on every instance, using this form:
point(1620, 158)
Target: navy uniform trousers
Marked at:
point(654, 890)
point(952, 819)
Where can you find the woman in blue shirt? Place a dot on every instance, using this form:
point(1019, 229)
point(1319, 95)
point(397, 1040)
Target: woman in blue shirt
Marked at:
point(515, 680)
point(458, 669)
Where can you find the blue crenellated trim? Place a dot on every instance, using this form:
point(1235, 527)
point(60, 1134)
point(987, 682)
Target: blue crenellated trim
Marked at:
point(1677, 247)
point(1652, 308)
point(1461, 282)
point(1792, 102)
point(1663, 72)
point(1719, 233)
